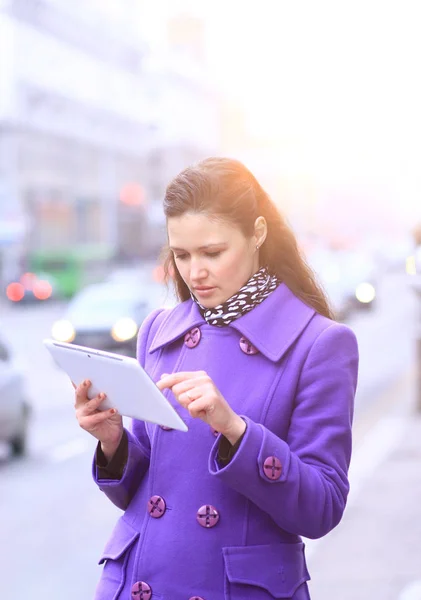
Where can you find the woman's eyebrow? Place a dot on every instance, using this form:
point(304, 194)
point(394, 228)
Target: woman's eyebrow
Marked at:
point(200, 248)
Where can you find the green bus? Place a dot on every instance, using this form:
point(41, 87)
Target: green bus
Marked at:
point(71, 269)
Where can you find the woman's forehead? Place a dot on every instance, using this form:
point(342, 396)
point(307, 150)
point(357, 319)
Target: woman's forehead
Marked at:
point(200, 227)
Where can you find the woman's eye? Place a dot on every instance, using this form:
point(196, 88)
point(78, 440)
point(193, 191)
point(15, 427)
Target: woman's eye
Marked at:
point(180, 256)
point(213, 254)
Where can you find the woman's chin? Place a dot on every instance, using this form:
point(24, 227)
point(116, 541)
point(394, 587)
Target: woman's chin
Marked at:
point(208, 298)
point(210, 303)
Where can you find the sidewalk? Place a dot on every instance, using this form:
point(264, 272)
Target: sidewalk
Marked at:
point(375, 552)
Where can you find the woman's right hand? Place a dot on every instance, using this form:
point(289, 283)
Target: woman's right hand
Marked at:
point(106, 425)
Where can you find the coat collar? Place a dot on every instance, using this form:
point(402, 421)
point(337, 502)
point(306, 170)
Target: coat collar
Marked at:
point(272, 326)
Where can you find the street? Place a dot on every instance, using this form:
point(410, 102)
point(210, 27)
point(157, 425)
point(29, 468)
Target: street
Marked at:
point(54, 521)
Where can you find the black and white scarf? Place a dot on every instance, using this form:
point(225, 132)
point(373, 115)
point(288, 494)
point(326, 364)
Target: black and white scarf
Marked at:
point(257, 288)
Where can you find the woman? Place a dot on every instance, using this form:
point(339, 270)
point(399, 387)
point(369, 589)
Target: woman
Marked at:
point(265, 381)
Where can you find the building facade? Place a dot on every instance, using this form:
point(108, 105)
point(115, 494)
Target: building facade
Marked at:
point(92, 126)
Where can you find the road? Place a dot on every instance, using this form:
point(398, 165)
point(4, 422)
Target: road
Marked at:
point(54, 521)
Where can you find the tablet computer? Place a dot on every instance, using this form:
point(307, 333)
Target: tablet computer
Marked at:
point(127, 385)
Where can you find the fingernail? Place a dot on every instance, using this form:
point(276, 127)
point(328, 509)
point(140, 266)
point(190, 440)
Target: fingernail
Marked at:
point(113, 411)
point(164, 375)
point(86, 383)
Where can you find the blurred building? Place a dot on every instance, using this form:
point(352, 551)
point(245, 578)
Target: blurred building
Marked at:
point(94, 121)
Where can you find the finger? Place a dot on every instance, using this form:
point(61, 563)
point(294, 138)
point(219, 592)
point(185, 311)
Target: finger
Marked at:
point(184, 386)
point(92, 405)
point(200, 407)
point(186, 398)
point(82, 392)
point(168, 381)
point(91, 421)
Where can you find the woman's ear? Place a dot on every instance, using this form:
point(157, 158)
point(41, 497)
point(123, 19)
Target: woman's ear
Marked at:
point(260, 231)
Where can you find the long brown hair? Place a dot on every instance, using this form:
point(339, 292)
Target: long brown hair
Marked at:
point(224, 188)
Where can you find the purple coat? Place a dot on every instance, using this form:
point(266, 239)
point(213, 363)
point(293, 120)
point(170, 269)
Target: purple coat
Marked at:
point(192, 530)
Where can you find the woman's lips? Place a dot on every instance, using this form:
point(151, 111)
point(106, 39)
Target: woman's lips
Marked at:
point(203, 291)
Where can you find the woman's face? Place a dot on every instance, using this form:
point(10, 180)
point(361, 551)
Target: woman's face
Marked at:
point(213, 257)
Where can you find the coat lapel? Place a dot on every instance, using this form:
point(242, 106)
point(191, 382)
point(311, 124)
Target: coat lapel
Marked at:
point(176, 323)
point(272, 326)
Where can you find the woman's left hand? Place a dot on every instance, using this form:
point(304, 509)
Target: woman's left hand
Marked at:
point(196, 391)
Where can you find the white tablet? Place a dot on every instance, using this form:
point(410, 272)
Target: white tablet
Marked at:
point(127, 385)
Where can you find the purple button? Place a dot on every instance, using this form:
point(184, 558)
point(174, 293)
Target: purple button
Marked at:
point(165, 428)
point(141, 591)
point(196, 598)
point(215, 433)
point(192, 338)
point(156, 506)
point(207, 516)
point(247, 347)
point(272, 467)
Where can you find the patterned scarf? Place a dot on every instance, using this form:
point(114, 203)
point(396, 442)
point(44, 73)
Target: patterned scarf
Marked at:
point(257, 288)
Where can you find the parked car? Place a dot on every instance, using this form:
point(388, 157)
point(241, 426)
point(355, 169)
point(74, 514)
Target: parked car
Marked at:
point(328, 272)
point(30, 288)
point(360, 276)
point(14, 403)
point(108, 315)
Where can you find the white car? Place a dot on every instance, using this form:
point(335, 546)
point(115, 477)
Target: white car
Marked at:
point(349, 278)
point(325, 265)
point(108, 315)
point(360, 276)
point(14, 404)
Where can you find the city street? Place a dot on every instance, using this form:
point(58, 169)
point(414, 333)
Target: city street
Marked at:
point(127, 127)
point(54, 521)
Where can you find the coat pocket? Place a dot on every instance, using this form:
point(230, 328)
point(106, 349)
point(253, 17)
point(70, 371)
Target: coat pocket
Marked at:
point(115, 556)
point(265, 572)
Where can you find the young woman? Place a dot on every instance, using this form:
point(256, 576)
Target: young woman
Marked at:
point(265, 380)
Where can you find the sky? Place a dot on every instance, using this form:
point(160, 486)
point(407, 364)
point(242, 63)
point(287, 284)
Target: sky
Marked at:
point(332, 85)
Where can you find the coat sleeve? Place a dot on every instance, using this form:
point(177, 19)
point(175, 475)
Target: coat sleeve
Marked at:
point(121, 491)
point(302, 482)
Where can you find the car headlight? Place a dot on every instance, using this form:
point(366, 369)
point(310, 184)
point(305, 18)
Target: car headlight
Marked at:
point(365, 293)
point(63, 331)
point(124, 329)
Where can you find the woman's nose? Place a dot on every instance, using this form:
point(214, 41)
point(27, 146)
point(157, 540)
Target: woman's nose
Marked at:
point(197, 270)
